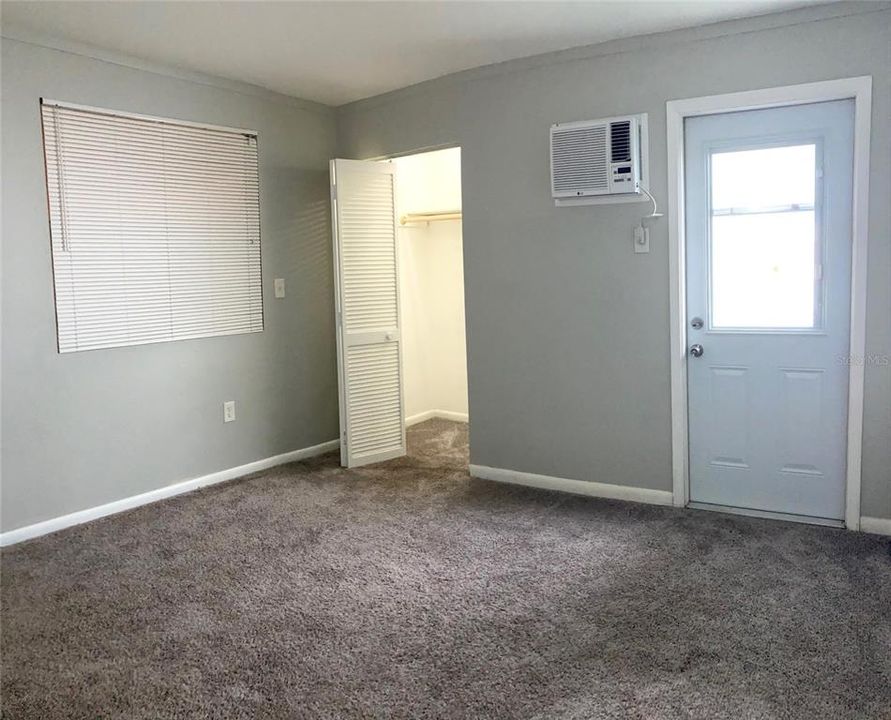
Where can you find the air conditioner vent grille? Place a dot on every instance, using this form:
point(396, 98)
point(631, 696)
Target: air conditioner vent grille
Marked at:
point(579, 159)
point(620, 141)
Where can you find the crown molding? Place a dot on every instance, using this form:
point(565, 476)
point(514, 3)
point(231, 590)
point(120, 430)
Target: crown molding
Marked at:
point(636, 43)
point(654, 41)
point(112, 57)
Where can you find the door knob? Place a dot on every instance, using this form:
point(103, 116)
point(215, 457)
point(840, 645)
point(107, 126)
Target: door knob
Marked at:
point(696, 350)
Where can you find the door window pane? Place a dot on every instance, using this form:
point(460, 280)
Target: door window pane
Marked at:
point(763, 238)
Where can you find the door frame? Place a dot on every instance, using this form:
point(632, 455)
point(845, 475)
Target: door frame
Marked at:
point(858, 89)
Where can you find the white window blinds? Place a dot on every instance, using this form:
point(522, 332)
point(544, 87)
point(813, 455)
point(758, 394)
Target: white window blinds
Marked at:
point(155, 228)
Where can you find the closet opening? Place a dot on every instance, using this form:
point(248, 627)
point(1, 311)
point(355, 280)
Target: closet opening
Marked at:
point(431, 285)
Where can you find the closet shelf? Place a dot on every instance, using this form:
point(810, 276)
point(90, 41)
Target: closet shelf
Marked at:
point(429, 217)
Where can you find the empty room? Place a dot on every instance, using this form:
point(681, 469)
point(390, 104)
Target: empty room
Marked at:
point(490, 359)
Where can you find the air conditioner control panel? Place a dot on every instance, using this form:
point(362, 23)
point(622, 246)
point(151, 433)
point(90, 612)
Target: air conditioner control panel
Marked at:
point(623, 178)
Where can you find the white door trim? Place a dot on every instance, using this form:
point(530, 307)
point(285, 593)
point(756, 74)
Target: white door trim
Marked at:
point(860, 90)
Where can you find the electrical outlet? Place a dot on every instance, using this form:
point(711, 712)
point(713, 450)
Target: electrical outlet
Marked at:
point(229, 411)
point(641, 239)
point(279, 287)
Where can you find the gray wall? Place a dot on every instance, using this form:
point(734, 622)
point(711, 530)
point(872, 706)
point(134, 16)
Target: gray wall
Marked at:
point(83, 429)
point(567, 328)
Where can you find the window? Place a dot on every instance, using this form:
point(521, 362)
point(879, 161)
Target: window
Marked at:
point(765, 271)
point(155, 228)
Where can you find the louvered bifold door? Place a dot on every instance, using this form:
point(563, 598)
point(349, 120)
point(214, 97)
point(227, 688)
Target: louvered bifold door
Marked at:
point(368, 340)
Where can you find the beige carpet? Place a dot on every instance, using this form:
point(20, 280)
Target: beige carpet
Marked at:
point(408, 590)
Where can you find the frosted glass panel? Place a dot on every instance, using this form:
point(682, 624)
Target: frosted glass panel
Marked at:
point(763, 249)
point(764, 178)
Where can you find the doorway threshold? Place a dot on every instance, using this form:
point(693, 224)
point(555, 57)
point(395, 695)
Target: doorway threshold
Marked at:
point(767, 514)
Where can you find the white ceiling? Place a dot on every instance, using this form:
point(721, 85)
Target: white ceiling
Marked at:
point(336, 52)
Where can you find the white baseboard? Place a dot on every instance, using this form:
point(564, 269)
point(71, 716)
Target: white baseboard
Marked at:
point(82, 516)
point(876, 526)
point(577, 487)
point(418, 418)
point(429, 414)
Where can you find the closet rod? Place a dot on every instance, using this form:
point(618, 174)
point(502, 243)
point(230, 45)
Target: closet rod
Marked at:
point(430, 217)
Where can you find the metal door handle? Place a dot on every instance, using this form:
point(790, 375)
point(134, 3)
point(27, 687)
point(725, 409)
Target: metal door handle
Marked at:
point(696, 350)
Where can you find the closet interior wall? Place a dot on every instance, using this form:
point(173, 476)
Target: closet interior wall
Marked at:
point(431, 285)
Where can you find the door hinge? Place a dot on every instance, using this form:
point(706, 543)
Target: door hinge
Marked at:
point(338, 315)
point(334, 192)
point(818, 272)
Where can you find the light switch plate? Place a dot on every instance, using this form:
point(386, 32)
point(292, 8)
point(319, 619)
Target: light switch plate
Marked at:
point(279, 287)
point(641, 239)
point(229, 411)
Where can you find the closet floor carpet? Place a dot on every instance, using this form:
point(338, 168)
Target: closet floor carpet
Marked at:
point(409, 590)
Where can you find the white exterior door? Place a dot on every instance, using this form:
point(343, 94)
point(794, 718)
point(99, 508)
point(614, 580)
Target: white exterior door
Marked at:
point(768, 269)
point(369, 350)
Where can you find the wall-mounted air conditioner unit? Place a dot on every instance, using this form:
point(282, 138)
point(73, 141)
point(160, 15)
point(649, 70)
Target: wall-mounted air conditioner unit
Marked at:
point(599, 159)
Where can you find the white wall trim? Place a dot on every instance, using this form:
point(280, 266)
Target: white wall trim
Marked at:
point(429, 414)
point(860, 90)
point(81, 516)
point(576, 487)
point(876, 526)
point(451, 415)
